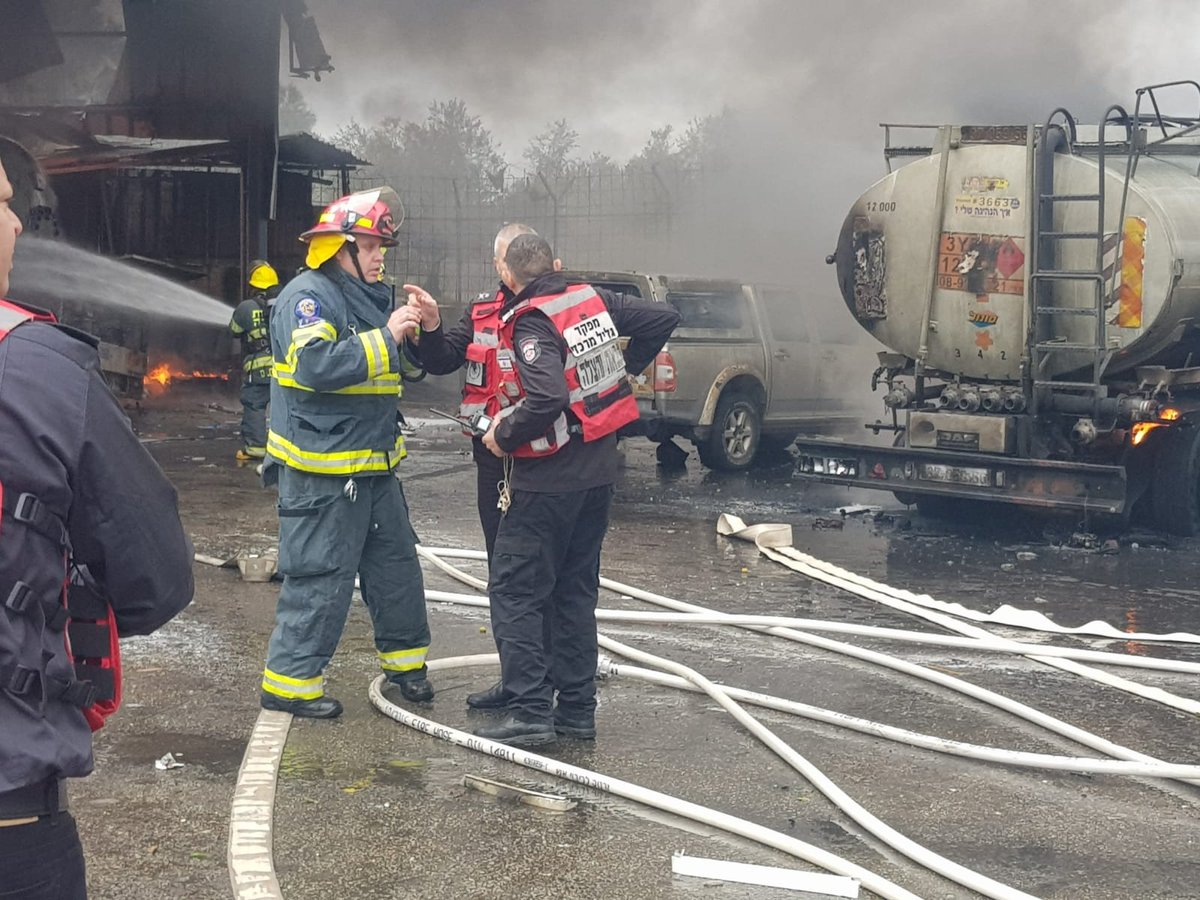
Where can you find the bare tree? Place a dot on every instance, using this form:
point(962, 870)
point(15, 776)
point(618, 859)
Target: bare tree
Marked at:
point(707, 142)
point(659, 148)
point(551, 152)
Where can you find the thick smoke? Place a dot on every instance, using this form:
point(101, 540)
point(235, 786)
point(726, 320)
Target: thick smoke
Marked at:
point(619, 68)
point(805, 84)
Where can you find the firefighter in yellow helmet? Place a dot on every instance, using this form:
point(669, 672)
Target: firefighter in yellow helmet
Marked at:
point(333, 444)
point(251, 323)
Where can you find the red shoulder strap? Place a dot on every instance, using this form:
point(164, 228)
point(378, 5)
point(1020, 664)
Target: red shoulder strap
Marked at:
point(12, 315)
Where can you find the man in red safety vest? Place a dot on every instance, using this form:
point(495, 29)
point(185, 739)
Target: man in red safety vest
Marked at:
point(473, 343)
point(563, 394)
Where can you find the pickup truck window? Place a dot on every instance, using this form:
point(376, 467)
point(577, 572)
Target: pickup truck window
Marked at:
point(618, 287)
point(785, 312)
point(708, 309)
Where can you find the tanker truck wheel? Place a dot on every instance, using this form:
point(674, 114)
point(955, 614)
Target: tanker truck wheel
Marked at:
point(905, 497)
point(735, 435)
point(1175, 490)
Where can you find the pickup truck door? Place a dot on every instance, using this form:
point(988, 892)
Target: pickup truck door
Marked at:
point(794, 352)
point(717, 332)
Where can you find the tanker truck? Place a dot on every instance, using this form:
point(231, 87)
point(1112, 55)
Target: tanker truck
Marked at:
point(1038, 292)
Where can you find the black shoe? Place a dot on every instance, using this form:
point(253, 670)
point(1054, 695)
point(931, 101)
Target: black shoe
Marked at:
point(581, 727)
point(495, 697)
point(519, 734)
point(320, 708)
point(414, 690)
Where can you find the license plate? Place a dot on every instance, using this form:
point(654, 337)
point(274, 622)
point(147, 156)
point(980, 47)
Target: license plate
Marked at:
point(956, 474)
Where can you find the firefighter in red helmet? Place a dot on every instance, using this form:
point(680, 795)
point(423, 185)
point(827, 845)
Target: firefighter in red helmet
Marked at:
point(333, 445)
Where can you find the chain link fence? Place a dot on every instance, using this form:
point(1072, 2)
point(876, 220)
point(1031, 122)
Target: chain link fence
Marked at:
point(611, 220)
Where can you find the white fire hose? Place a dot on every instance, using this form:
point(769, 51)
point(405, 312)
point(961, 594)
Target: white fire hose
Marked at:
point(685, 677)
point(959, 685)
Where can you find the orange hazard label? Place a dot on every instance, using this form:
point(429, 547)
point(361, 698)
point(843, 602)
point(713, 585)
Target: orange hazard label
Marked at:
point(1133, 261)
point(981, 263)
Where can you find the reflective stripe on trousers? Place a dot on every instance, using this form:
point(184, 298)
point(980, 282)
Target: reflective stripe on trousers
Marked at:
point(325, 538)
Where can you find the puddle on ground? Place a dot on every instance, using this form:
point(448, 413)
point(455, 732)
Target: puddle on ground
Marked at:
point(220, 756)
point(402, 772)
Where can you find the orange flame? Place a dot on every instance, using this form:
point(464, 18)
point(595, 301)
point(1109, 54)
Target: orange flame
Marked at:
point(160, 377)
point(1170, 414)
point(160, 374)
point(1141, 429)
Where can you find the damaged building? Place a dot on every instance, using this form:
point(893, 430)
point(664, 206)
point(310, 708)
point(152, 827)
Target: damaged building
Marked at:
point(148, 133)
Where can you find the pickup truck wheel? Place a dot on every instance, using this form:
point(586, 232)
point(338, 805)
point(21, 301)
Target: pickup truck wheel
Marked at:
point(735, 435)
point(1176, 486)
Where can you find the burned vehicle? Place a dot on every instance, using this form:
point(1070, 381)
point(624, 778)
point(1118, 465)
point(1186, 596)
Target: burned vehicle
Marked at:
point(748, 366)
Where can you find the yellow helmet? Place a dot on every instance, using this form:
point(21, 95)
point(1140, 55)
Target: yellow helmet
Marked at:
point(262, 276)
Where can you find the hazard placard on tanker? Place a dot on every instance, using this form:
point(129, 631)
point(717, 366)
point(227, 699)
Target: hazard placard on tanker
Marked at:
point(981, 263)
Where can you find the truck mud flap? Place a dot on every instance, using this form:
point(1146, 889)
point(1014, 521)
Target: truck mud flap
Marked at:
point(1048, 484)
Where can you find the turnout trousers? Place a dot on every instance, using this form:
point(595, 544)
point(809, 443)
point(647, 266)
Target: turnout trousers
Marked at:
point(545, 577)
point(331, 528)
point(255, 396)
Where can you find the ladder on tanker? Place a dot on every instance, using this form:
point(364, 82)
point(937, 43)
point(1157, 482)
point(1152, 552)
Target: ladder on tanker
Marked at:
point(1047, 344)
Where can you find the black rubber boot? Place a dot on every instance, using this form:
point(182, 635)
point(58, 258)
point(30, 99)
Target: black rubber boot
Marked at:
point(582, 727)
point(519, 734)
point(320, 708)
point(414, 690)
point(494, 697)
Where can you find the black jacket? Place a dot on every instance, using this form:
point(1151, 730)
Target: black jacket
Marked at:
point(444, 350)
point(67, 442)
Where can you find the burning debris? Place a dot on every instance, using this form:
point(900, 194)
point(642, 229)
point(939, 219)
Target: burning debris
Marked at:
point(161, 377)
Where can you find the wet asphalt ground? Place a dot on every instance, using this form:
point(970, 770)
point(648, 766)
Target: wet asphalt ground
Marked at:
point(367, 808)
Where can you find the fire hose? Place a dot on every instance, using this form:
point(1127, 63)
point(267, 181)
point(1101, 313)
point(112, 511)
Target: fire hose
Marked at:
point(687, 679)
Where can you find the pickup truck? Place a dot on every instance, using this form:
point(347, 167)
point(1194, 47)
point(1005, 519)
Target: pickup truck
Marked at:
point(748, 367)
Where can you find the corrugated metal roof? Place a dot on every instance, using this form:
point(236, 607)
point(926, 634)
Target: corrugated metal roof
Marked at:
point(303, 151)
point(118, 151)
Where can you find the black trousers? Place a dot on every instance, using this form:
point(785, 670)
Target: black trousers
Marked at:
point(42, 860)
point(489, 470)
point(545, 578)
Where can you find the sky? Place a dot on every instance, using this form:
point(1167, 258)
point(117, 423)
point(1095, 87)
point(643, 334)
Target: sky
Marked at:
point(803, 70)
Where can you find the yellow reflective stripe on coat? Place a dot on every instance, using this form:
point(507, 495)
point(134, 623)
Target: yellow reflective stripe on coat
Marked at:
point(403, 660)
point(293, 688)
point(342, 462)
point(375, 348)
point(305, 334)
point(384, 384)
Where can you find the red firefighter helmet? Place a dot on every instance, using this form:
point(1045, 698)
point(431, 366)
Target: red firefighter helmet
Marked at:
point(377, 212)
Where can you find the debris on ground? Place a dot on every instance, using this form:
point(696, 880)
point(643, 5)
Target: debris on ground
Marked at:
point(1082, 540)
point(857, 509)
point(821, 524)
point(539, 799)
point(167, 762)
